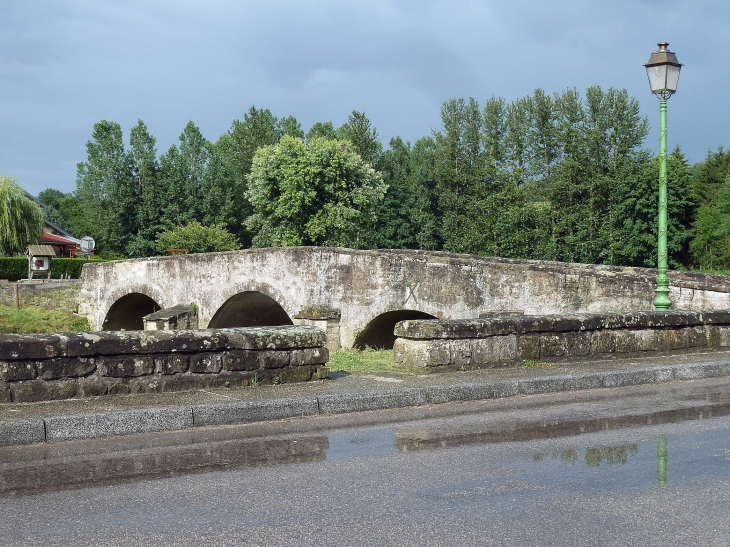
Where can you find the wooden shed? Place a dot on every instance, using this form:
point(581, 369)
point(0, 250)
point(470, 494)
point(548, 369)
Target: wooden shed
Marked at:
point(39, 260)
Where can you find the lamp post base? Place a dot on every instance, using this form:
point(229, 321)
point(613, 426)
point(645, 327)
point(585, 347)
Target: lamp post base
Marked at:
point(661, 299)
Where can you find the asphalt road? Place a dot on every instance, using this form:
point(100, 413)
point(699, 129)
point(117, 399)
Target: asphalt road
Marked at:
point(510, 472)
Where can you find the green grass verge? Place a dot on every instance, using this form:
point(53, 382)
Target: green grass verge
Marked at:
point(33, 319)
point(368, 360)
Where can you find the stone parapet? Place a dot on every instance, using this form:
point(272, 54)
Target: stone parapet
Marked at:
point(511, 340)
point(74, 365)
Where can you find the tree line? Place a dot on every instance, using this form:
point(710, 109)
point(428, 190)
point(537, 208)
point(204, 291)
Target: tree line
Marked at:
point(550, 177)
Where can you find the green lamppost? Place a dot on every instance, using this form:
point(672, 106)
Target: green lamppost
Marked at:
point(663, 72)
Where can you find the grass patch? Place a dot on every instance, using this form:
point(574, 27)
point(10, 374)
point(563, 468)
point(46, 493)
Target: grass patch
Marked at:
point(367, 360)
point(33, 319)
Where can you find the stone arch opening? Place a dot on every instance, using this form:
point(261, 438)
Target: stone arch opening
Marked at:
point(127, 312)
point(249, 309)
point(379, 334)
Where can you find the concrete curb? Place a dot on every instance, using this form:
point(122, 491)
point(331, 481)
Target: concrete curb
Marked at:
point(173, 418)
point(243, 412)
point(126, 422)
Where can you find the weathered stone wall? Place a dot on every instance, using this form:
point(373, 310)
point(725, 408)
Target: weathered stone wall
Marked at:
point(54, 294)
point(509, 340)
point(68, 365)
point(364, 284)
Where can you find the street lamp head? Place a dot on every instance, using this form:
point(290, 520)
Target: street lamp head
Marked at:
point(663, 72)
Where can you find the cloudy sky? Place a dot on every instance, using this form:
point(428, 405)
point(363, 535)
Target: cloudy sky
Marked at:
point(66, 64)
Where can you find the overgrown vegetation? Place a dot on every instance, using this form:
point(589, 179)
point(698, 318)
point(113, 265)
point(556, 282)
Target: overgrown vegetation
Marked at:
point(33, 319)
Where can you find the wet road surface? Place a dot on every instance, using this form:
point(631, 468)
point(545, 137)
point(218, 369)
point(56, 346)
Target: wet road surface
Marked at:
point(573, 469)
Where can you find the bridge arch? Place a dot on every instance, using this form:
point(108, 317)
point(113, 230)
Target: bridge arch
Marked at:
point(249, 309)
point(126, 313)
point(378, 333)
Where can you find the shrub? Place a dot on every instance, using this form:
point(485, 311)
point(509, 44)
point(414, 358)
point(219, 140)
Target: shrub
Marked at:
point(197, 238)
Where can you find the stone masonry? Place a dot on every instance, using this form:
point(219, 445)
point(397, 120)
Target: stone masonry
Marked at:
point(498, 341)
point(359, 286)
point(43, 367)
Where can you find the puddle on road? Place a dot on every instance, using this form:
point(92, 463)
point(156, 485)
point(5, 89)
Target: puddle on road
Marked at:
point(664, 461)
point(26, 477)
point(593, 466)
point(378, 442)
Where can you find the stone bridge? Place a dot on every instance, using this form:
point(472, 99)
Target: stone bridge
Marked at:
point(359, 296)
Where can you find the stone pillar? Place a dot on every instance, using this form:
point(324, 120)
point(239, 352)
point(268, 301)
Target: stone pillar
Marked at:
point(326, 319)
point(174, 318)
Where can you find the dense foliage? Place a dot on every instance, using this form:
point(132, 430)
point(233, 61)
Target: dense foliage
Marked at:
point(557, 177)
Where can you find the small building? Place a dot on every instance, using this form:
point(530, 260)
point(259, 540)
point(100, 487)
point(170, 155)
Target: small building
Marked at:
point(65, 245)
point(39, 260)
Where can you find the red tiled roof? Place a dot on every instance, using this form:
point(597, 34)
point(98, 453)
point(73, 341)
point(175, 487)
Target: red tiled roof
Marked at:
point(51, 239)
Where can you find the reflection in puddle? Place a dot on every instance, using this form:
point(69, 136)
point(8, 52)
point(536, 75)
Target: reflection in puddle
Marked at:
point(25, 477)
point(424, 439)
point(379, 442)
point(594, 457)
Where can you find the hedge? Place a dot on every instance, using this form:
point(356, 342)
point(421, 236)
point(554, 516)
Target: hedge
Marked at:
point(14, 268)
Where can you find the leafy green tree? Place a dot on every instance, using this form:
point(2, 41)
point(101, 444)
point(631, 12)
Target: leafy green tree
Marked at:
point(182, 173)
point(192, 167)
point(395, 229)
point(197, 238)
point(147, 192)
point(634, 241)
point(318, 193)
point(258, 128)
point(21, 219)
point(220, 191)
point(363, 136)
point(54, 216)
point(461, 174)
point(426, 215)
point(289, 126)
point(73, 214)
point(322, 131)
point(563, 152)
point(50, 197)
point(710, 245)
point(407, 218)
point(102, 186)
point(710, 176)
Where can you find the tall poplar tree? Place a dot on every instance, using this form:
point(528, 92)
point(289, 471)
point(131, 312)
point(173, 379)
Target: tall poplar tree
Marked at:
point(103, 184)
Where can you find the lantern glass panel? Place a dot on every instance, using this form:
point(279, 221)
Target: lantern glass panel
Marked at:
point(657, 77)
point(672, 77)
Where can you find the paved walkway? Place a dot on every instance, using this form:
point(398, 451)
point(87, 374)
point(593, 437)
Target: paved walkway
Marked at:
point(27, 423)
